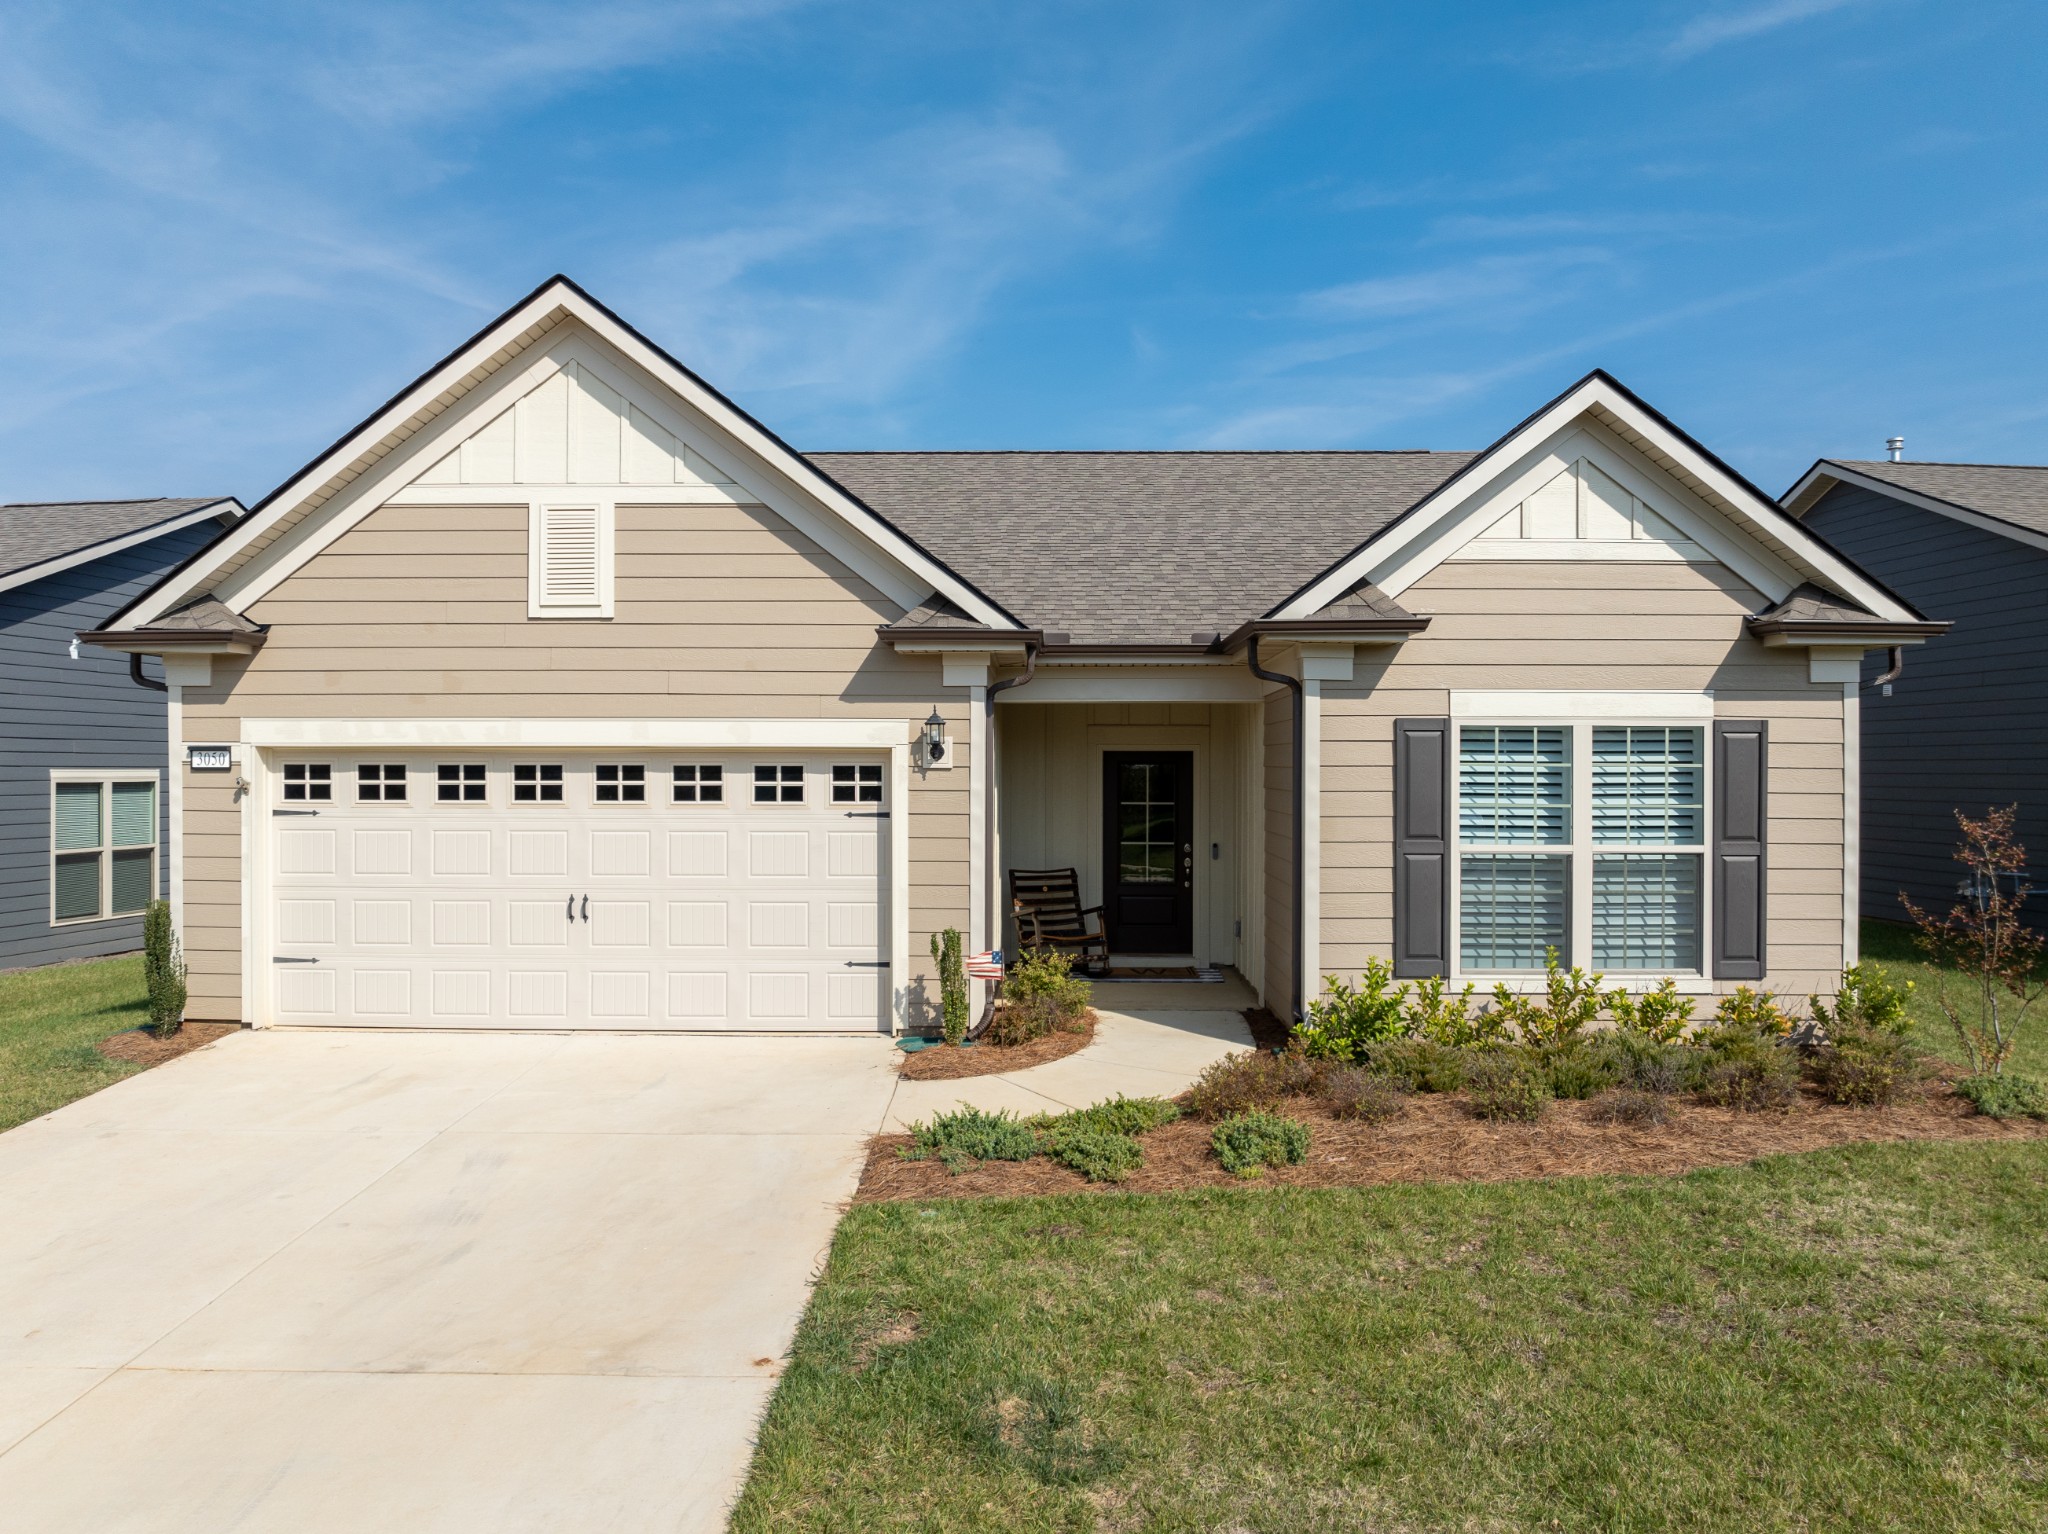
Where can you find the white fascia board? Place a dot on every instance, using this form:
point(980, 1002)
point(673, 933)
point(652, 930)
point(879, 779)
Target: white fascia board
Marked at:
point(1538, 704)
point(1758, 516)
point(1129, 685)
point(582, 734)
point(1925, 502)
point(114, 545)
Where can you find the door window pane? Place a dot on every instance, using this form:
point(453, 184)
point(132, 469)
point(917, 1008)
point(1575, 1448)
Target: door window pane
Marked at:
point(133, 886)
point(621, 783)
point(699, 785)
point(77, 818)
point(380, 783)
point(1511, 908)
point(1646, 911)
point(857, 784)
point(537, 783)
point(1515, 784)
point(134, 817)
point(308, 780)
point(1147, 816)
point(77, 881)
point(460, 782)
point(1649, 785)
point(779, 784)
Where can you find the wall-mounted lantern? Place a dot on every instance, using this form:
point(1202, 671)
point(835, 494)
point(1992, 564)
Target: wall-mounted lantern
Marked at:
point(934, 740)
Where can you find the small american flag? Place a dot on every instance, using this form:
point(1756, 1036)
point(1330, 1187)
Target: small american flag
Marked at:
point(985, 966)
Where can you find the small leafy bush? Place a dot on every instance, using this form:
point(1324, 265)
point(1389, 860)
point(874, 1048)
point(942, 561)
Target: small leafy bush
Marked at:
point(1866, 1068)
point(1019, 1020)
point(1240, 1083)
point(1351, 1093)
point(1420, 1064)
point(1739, 1067)
point(1632, 1105)
point(1867, 1000)
point(1347, 1018)
point(1661, 1015)
point(1247, 1143)
point(1449, 1020)
point(1641, 1064)
point(1100, 1155)
point(1572, 1000)
point(1754, 1011)
point(1123, 1115)
point(1047, 977)
point(968, 1135)
point(2005, 1097)
point(1508, 1087)
point(1576, 1070)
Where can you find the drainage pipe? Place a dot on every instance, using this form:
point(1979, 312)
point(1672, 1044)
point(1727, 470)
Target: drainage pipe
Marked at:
point(1293, 685)
point(135, 674)
point(1891, 676)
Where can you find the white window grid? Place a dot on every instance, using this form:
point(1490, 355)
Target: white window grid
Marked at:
point(856, 783)
point(111, 844)
point(619, 783)
point(1570, 836)
point(697, 783)
point(538, 783)
point(308, 782)
point(380, 783)
point(461, 783)
point(779, 783)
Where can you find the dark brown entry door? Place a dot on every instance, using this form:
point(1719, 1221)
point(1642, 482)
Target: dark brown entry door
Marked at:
point(1148, 850)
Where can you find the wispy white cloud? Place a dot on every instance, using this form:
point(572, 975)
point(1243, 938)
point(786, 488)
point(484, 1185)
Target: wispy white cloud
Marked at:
point(1717, 28)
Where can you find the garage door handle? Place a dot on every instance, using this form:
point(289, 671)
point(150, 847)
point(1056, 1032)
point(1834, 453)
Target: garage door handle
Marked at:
point(586, 908)
point(867, 814)
point(278, 958)
point(572, 908)
point(867, 963)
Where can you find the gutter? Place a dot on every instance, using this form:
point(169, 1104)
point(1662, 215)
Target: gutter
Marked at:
point(162, 641)
point(1300, 794)
point(1356, 629)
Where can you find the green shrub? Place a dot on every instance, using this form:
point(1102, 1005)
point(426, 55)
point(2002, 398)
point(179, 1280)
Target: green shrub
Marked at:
point(1247, 1143)
point(1420, 1064)
point(1632, 1105)
point(163, 970)
point(1047, 974)
point(1122, 1115)
point(952, 984)
point(1508, 1086)
point(1576, 1070)
point(1449, 1020)
point(1866, 1068)
point(1021, 1019)
point(1641, 1064)
point(2005, 1097)
point(1866, 1000)
point(1100, 1155)
point(1352, 1093)
point(1738, 1067)
point(970, 1134)
point(1753, 1010)
point(1661, 1015)
point(1240, 1083)
point(1572, 1000)
point(1347, 1018)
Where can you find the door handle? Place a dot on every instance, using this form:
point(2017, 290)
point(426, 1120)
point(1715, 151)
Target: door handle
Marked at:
point(586, 908)
point(572, 908)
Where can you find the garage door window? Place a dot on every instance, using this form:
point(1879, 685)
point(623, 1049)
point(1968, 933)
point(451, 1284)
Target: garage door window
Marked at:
point(699, 785)
point(780, 784)
point(621, 783)
point(308, 780)
point(857, 784)
point(459, 783)
point(102, 848)
point(380, 783)
point(537, 783)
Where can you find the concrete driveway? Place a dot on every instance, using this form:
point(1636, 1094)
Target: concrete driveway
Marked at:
point(416, 1282)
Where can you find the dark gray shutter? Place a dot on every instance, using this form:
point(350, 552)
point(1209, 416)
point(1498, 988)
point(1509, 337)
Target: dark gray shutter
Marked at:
point(1741, 818)
point(1422, 847)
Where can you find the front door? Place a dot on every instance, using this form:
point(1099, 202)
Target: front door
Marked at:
point(1148, 852)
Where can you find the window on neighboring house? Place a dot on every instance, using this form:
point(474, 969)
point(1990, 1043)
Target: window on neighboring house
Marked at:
point(308, 780)
point(1589, 839)
point(621, 783)
point(460, 783)
point(700, 784)
point(780, 784)
point(537, 783)
point(102, 847)
point(569, 560)
point(857, 784)
point(380, 783)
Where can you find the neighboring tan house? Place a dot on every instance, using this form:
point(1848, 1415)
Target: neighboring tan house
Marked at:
point(81, 745)
point(1964, 726)
point(561, 693)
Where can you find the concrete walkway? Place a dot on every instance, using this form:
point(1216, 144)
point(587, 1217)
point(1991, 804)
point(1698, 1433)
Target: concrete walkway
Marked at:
point(340, 1281)
point(1150, 1041)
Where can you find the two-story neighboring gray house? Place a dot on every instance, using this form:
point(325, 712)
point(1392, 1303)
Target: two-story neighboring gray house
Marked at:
point(82, 745)
point(1965, 725)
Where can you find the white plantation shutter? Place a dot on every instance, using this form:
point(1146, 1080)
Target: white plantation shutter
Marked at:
point(571, 556)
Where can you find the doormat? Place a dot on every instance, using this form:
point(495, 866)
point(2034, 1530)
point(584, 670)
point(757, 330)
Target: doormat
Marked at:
point(1172, 975)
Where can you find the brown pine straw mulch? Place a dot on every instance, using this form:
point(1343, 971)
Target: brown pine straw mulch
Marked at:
point(139, 1048)
point(986, 1059)
point(1436, 1139)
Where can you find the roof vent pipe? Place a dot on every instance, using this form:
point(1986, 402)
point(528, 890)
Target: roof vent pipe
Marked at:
point(1896, 446)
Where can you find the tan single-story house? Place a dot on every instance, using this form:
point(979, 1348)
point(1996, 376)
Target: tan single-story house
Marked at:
point(561, 693)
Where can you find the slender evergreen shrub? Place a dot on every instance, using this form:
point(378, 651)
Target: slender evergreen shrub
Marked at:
point(163, 970)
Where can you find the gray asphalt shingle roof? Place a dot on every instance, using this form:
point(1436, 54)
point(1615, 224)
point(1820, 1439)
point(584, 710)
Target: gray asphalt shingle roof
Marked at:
point(2016, 493)
point(32, 532)
point(1140, 548)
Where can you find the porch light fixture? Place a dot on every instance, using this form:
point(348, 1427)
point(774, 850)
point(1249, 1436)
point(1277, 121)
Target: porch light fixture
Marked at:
point(935, 738)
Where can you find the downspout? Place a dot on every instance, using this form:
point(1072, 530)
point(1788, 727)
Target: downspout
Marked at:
point(1293, 685)
point(135, 674)
point(1884, 683)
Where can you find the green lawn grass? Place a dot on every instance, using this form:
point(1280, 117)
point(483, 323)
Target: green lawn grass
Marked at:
point(50, 1022)
point(1855, 1339)
point(1891, 945)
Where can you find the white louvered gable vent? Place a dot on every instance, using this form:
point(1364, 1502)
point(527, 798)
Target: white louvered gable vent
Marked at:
point(570, 555)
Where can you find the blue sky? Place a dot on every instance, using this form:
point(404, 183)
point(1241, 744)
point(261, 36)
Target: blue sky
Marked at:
point(1796, 226)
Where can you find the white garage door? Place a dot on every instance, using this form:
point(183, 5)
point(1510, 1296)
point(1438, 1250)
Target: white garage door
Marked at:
point(557, 891)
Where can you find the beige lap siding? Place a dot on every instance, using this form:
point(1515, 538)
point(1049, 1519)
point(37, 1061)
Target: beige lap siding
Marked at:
point(1587, 627)
point(721, 612)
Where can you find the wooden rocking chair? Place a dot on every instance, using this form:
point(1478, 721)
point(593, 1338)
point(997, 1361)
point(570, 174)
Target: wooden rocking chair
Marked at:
point(1047, 905)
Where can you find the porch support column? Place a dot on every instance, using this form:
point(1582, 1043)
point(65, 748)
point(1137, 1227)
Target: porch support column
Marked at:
point(1852, 821)
point(1309, 897)
point(979, 778)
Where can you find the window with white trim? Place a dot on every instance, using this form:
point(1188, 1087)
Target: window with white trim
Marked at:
point(103, 846)
point(537, 783)
point(1586, 838)
point(569, 562)
point(461, 783)
point(701, 783)
point(780, 784)
point(856, 783)
point(621, 783)
point(380, 783)
point(308, 780)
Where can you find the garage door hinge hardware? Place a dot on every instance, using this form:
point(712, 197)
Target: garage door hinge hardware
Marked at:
point(867, 814)
point(294, 812)
point(280, 958)
point(867, 963)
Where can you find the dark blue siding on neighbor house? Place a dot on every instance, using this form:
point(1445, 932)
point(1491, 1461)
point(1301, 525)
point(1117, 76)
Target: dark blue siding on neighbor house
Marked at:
point(1966, 726)
point(85, 713)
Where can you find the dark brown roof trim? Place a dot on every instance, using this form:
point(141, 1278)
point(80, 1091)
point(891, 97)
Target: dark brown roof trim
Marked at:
point(243, 641)
point(1337, 628)
point(1847, 631)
